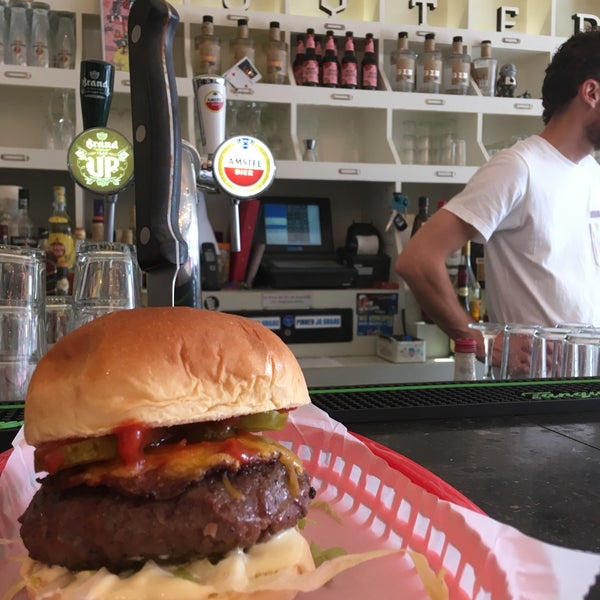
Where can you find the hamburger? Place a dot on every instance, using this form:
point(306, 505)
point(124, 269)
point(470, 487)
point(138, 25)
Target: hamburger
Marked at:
point(157, 477)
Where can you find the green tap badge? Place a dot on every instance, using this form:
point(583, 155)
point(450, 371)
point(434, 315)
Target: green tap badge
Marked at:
point(101, 160)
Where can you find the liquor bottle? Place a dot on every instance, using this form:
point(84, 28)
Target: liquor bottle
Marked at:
point(331, 67)
point(349, 68)
point(403, 65)
point(298, 65)
point(207, 47)
point(319, 54)
point(473, 287)
point(484, 70)
point(310, 65)
point(368, 66)
point(454, 258)
point(241, 46)
point(429, 67)
point(42, 244)
point(457, 68)
point(25, 227)
point(60, 240)
point(422, 216)
point(462, 287)
point(277, 55)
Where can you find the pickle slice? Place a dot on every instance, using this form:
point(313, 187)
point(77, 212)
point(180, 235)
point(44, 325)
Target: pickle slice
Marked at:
point(265, 421)
point(53, 457)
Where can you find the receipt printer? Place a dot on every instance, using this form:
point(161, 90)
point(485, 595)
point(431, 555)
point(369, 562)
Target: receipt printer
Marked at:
point(364, 252)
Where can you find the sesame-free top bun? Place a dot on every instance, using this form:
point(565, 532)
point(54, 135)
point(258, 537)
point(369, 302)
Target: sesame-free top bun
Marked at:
point(158, 367)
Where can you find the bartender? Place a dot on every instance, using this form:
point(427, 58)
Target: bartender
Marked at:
point(535, 206)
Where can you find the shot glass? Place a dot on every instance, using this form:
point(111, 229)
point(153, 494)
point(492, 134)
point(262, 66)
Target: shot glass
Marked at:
point(59, 313)
point(516, 351)
point(22, 339)
point(106, 278)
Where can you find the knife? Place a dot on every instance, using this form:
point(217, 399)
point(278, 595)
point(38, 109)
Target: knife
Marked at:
point(161, 247)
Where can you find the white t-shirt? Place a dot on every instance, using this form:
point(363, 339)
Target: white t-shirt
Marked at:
point(538, 214)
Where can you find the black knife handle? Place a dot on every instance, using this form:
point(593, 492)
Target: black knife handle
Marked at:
point(156, 134)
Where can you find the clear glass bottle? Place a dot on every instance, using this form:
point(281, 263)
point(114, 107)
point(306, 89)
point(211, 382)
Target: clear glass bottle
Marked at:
point(484, 70)
point(64, 41)
point(403, 61)
point(298, 65)
point(3, 23)
point(457, 68)
point(18, 30)
point(473, 287)
point(349, 64)
point(207, 48)
point(39, 53)
point(368, 67)
point(25, 228)
point(429, 67)
point(60, 240)
point(242, 45)
point(277, 55)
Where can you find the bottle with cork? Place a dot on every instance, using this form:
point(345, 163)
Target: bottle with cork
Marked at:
point(484, 70)
point(457, 68)
point(429, 67)
point(277, 55)
point(403, 61)
point(207, 46)
point(242, 46)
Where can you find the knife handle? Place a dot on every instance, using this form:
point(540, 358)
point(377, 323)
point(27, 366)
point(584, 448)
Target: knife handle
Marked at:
point(156, 134)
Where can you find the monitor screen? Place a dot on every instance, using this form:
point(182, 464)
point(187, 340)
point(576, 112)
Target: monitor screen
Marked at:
point(295, 225)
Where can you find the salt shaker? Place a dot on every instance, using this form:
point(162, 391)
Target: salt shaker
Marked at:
point(464, 360)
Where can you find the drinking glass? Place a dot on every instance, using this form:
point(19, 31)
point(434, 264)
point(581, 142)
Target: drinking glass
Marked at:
point(489, 331)
point(64, 41)
point(18, 33)
point(22, 340)
point(547, 357)
point(582, 350)
point(39, 55)
point(61, 129)
point(59, 312)
point(106, 278)
point(516, 350)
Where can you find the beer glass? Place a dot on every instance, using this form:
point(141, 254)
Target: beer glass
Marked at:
point(22, 340)
point(547, 358)
point(516, 351)
point(106, 278)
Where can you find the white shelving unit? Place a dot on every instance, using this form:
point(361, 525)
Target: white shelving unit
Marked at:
point(358, 132)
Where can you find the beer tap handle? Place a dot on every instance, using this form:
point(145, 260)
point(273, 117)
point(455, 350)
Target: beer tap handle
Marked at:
point(96, 89)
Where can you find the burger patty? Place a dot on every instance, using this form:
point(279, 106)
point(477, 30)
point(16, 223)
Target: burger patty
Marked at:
point(88, 528)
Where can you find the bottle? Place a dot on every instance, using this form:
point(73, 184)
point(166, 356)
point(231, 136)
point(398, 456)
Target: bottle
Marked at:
point(464, 360)
point(3, 23)
point(25, 227)
point(310, 65)
point(462, 287)
point(39, 55)
point(368, 66)
point(349, 67)
point(429, 67)
point(42, 244)
point(98, 220)
point(60, 240)
point(403, 61)
point(298, 65)
point(277, 55)
point(241, 46)
point(17, 33)
point(3, 234)
point(319, 53)
point(80, 237)
point(473, 288)
point(422, 216)
point(454, 258)
point(457, 68)
point(484, 70)
point(207, 47)
point(8, 220)
point(330, 70)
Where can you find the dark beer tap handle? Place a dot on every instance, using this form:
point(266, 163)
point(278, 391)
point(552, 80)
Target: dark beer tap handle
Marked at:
point(96, 88)
point(156, 134)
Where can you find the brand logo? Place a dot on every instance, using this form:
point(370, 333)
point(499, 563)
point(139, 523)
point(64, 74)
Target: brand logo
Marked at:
point(94, 83)
point(244, 166)
point(214, 100)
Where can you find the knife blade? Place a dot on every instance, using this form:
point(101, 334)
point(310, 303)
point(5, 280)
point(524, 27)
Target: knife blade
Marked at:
point(161, 247)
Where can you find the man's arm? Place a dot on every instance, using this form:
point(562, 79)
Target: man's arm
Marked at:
point(422, 264)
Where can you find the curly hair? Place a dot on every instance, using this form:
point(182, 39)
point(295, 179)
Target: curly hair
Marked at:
point(576, 60)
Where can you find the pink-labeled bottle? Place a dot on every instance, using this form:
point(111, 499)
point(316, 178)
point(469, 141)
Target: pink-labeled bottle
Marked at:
point(349, 70)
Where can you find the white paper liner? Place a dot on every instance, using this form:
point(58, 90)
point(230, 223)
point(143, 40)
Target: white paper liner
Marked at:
point(380, 508)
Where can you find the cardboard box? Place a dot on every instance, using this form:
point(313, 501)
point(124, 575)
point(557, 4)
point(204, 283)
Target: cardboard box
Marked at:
point(395, 349)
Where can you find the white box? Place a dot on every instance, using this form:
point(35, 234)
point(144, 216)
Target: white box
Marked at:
point(397, 350)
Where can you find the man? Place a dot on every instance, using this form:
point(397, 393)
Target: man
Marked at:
point(536, 206)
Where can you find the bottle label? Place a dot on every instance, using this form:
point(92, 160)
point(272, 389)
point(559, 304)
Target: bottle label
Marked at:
point(62, 247)
point(350, 74)
point(311, 71)
point(298, 74)
point(369, 76)
point(331, 73)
